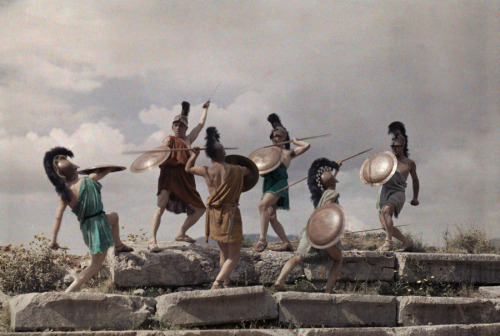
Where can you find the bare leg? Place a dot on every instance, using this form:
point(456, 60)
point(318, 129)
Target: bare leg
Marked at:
point(113, 221)
point(160, 209)
point(230, 263)
point(276, 225)
point(386, 216)
point(336, 256)
point(224, 255)
point(191, 220)
point(288, 268)
point(267, 201)
point(95, 265)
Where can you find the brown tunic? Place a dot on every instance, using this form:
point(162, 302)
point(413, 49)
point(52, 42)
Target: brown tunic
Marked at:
point(173, 178)
point(222, 205)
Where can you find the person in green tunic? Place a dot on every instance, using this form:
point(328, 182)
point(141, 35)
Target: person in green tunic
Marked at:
point(322, 183)
point(273, 182)
point(83, 195)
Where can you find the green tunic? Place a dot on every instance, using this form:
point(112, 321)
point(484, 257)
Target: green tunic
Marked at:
point(90, 213)
point(274, 181)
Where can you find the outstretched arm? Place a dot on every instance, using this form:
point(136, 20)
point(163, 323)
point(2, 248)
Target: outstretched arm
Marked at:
point(415, 183)
point(301, 149)
point(197, 129)
point(57, 224)
point(245, 170)
point(100, 174)
point(191, 168)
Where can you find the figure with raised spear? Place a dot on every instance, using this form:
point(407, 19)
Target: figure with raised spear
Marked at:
point(275, 180)
point(176, 188)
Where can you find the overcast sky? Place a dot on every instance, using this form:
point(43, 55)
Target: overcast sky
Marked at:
point(102, 77)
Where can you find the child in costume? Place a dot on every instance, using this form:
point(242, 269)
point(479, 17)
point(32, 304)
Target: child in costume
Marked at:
point(322, 184)
point(275, 180)
point(223, 220)
point(83, 195)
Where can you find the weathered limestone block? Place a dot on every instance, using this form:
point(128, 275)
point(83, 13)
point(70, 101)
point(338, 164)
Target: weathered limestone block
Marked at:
point(453, 268)
point(490, 291)
point(356, 266)
point(263, 268)
point(221, 306)
point(183, 264)
point(344, 310)
point(418, 310)
point(66, 311)
point(178, 264)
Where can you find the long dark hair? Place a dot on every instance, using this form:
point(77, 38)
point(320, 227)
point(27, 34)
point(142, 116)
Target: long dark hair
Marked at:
point(212, 138)
point(312, 177)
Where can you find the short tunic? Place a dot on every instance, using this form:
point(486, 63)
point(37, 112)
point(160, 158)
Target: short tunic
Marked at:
point(274, 181)
point(305, 249)
point(173, 177)
point(222, 205)
point(90, 213)
point(393, 191)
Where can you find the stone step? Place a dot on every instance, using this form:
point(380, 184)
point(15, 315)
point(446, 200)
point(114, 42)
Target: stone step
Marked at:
point(441, 330)
point(96, 311)
point(182, 264)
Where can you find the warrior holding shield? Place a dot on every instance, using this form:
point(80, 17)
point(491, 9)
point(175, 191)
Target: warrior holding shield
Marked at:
point(83, 195)
point(274, 181)
point(323, 232)
point(177, 189)
point(225, 183)
point(392, 194)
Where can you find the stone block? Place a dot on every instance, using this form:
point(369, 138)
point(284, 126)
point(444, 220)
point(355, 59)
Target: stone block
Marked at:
point(356, 266)
point(492, 292)
point(221, 306)
point(450, 268)
point(343, 310)
point(178, 264)
point(77, 311)
point(419, 310)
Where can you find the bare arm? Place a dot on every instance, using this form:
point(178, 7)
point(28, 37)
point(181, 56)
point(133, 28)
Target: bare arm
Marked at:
point(191, 168)
point(99, 174)
point(61, 206)
point(301, 149)
point(197, 129)
point(415, 183)
point(245, 170)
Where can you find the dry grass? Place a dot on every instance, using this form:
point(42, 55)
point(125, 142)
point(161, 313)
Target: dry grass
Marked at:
point(467, 240)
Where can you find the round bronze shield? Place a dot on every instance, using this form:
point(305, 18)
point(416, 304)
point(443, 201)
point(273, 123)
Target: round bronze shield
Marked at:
point(325, 227)
point(251, 179)
point(94, 169)
point(266, 159)
point(378, 168)
point(151, 159)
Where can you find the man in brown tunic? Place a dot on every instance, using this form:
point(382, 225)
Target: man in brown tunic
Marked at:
point(176, 188)
point(223, 223)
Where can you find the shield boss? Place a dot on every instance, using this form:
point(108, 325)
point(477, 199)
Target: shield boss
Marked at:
point(251, 179)
point(151, 159)
point(325, 227)
point(266, 159)
point(378, 168)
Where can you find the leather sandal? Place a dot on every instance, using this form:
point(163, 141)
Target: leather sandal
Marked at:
point(122, 248)
point(406, 247)
point(185, 238)
point(286, 246)
point(153, 247)
point(218, 284)
point(388, 246)
point(260, 245)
